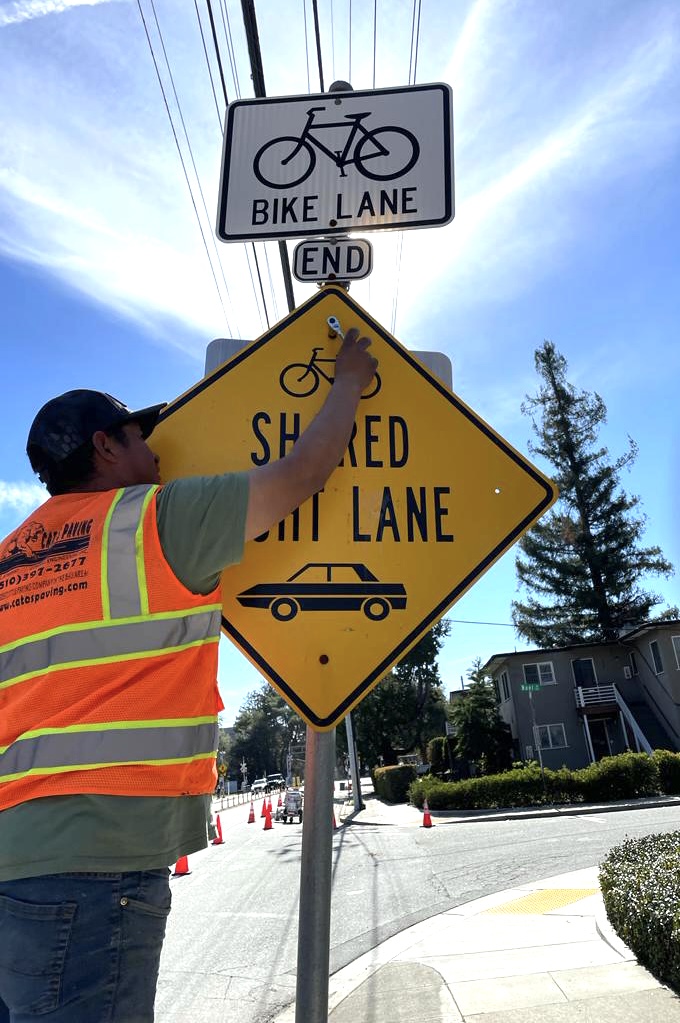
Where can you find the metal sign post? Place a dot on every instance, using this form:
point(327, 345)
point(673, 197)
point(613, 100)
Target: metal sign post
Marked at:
point(314, 923)
point(537, 742)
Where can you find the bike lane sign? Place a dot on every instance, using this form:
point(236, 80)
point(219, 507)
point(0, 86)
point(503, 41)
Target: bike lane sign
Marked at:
point(426, 499)
point(317, 165)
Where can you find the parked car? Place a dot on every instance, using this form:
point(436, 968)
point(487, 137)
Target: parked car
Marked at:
point(259, 787)
point(275, 783)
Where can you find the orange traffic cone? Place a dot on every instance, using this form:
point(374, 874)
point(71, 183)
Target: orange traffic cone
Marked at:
point(218, 840)
point(269, 806)
point(264, 807)
point(427, 820)
point(182, 867)
point(267, 820)
point(251, 815)
point(280, 802)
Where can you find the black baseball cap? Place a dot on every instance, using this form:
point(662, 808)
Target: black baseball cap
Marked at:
point(68, 422)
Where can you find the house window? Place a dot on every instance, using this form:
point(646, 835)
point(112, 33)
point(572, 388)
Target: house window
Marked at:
point(633, 663)
point(505, 685)
point(551, 736)
point(675, 640)
point(540, 673)
point(656, 657)
point(583, 669)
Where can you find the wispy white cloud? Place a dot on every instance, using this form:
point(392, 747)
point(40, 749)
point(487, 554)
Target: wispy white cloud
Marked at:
point(93, 188)
point(20, 497)
point(25, 10)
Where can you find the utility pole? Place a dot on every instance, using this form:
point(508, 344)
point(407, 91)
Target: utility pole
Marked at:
point(257, 75)
point(353, 763)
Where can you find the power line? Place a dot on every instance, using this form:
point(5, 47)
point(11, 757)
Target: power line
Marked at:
point(259, 277)
point(184, 167)
point(227, 32)
point(254, 52)
point(413, 63)
point(217, 54)
point(415, 35)
point(226, 24)
point(464, 621)
point(191, 154)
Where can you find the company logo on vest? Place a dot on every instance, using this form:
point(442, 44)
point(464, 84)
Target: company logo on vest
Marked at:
point(33, 545)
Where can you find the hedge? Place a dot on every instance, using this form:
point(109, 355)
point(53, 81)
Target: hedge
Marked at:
point(392, 783)
point(626, 776)
point(640, 882)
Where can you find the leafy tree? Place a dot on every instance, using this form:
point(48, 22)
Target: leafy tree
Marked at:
point(406, 709)
point(583, 562)
point(264, 727)
point(482, 737)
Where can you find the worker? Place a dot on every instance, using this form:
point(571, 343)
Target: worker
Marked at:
point(110, 616)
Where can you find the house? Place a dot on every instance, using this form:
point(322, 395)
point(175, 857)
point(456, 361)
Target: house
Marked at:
point(572, 705)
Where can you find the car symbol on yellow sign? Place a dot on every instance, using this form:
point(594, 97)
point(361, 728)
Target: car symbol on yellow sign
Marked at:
point(323, 586)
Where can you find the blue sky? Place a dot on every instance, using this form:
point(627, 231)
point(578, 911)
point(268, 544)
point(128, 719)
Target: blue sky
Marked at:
point(567, 170)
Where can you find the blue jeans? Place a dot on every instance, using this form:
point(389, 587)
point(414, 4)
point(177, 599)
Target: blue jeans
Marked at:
point(82, 948)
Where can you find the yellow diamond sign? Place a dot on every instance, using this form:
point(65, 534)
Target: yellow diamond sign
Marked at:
point(427, 497)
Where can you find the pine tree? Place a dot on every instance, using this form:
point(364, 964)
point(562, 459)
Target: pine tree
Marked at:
point(584, 560)
point(481, 735)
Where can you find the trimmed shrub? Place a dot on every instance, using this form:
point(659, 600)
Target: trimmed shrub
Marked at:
point(392, 783)
point(437, 756)
point(522, 787)
point(640, 882)
point(668, 765)
point(625, 776)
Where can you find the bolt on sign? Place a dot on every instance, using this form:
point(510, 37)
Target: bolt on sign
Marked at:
point(425, 500)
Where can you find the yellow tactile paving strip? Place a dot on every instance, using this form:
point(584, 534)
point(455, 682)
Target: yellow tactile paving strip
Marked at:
point(544, 900)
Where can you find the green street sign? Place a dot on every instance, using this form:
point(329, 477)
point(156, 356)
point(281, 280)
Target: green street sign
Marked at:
point(530, 687)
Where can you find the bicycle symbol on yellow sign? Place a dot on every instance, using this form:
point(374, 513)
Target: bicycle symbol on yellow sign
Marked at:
point(300, 379)
point(380, 153)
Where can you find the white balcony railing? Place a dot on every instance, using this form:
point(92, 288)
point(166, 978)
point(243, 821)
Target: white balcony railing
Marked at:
point(590, 696)
point(595, 694)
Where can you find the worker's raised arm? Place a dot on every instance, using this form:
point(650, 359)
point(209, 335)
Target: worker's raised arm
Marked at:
point(279, 487)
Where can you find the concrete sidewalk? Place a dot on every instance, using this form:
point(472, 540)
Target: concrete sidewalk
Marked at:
point(540, 953)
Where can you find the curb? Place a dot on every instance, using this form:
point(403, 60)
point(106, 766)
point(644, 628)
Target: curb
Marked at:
point(512, 813)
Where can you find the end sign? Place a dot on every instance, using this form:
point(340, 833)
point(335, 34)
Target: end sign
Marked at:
point(426, 499)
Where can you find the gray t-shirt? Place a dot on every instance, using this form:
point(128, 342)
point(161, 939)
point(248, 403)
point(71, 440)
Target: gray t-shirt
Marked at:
point(201, 523)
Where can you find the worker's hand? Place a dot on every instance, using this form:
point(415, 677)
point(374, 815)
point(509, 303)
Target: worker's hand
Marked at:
point(354, 364)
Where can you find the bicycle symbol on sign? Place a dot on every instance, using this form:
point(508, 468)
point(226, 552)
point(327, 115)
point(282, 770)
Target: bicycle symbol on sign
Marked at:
point(289, 160)
point(300, 379)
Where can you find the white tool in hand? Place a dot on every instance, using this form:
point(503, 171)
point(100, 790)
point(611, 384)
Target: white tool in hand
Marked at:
point(334, 324)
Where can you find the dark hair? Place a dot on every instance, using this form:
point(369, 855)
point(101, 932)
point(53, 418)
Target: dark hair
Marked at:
point(77, 468)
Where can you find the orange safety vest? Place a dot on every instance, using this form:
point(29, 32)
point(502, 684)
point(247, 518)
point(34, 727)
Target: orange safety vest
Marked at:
point(108, 664)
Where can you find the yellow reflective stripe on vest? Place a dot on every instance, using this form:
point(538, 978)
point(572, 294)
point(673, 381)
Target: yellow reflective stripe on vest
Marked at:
point(103, 642)
point(139, 553)
point(123, 553)
point(84, 747)
point(104, 581)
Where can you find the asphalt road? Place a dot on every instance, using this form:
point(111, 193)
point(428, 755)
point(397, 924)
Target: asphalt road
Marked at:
point(231, 950)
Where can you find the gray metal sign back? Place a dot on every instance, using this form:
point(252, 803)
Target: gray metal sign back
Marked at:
point(295, 166)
